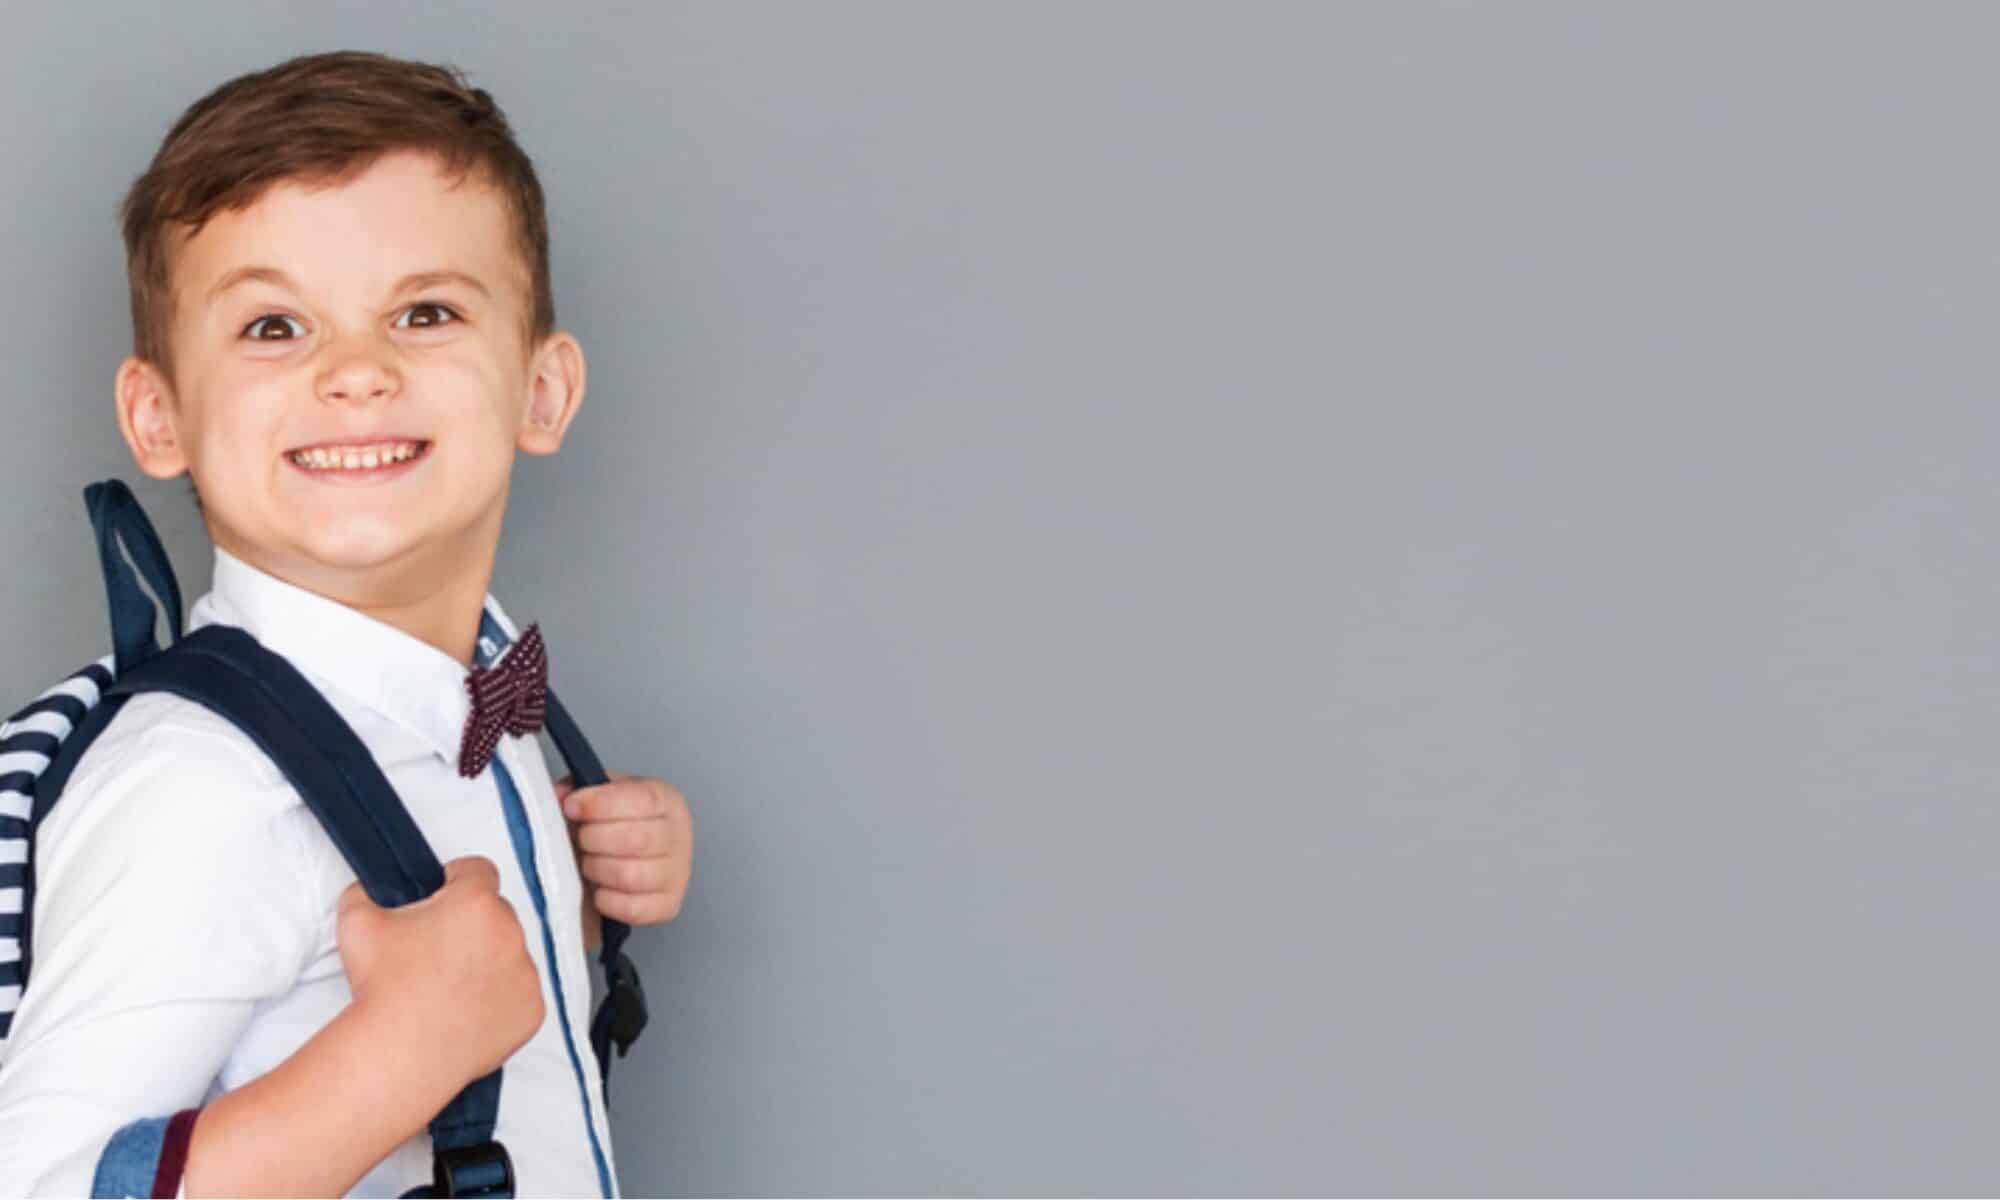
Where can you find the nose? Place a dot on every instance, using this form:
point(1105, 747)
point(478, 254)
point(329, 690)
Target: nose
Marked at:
point(361, 372)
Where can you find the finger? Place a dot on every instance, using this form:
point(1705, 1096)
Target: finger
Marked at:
point(629, 874)
point(636, 908)
point(568, 782)
point(620, 800)
point(626, 839)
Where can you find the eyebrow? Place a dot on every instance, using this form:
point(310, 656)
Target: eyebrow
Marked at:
point(408, 283)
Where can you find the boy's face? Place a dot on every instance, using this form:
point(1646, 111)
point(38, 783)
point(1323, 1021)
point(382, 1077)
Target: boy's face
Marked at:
point(378, 314)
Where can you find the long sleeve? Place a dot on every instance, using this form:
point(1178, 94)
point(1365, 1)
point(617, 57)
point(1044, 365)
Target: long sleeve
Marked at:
point(168, 905)
point(146, 1158)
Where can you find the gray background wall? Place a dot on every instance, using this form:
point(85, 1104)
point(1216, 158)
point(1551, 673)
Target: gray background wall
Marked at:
point(1248, 598)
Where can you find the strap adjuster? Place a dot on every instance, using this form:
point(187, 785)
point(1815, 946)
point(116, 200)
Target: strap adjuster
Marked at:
point(483, 1169)
point(625, 1000)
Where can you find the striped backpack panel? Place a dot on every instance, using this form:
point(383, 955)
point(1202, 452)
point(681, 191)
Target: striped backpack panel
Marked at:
point(29, 741)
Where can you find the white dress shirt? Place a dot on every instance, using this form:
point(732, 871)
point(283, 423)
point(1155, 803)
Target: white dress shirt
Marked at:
point(184, 912)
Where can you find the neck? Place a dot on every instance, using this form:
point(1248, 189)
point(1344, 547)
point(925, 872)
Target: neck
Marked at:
point(448, 620)
point(438, 603)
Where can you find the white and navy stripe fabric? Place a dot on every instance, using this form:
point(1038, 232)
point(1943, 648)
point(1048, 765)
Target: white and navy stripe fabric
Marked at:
point(28, 743)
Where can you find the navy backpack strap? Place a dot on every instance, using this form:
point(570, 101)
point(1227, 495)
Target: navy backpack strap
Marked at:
point(621, 1017)
point(116, 517)
point(227, 671)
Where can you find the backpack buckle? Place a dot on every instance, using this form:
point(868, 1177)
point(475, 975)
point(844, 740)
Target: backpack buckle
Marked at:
point(626, 999)
point(483, 1169)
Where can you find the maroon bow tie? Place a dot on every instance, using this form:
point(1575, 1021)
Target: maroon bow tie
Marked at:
point(509, 698)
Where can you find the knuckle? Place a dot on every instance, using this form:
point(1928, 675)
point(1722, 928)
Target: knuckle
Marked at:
point(359, 921)
point(471, 873)
point(496, 920)
point(611, 904)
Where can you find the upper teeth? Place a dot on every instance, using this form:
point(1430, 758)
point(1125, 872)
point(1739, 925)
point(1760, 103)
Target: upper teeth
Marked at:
point(355, 457)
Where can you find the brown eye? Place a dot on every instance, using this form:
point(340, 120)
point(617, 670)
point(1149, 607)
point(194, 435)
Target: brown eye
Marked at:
point(426, 315)
point(263, 329)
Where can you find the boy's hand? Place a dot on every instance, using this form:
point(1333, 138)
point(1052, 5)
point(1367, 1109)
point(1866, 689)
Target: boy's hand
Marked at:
point(634, 844)
point(447, 978)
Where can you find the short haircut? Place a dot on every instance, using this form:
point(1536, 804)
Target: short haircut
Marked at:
point(320, 118)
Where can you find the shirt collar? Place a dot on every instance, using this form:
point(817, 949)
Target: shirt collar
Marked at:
point(412, 682)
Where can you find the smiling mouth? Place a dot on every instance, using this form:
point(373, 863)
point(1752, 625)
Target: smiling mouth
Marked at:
point(375, 460)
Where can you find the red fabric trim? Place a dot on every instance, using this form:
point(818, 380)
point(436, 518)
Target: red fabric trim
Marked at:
point(174, 1153)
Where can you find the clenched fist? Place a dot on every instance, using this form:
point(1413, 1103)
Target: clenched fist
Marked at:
point(448, 977)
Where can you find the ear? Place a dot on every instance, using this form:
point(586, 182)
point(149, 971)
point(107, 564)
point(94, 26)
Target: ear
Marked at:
point(150, 419)
point(555, 392)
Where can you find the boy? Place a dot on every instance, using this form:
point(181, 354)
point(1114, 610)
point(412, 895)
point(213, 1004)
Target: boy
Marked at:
point(344, 331)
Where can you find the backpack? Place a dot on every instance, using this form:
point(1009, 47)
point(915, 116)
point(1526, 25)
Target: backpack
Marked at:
point(224, 669)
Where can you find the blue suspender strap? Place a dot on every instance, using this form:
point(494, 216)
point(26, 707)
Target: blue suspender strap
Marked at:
point(225, 669)
point(493, 642)
point(621, 1018)
point(521, 833)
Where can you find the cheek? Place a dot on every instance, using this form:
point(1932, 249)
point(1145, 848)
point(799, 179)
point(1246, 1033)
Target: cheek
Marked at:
point(236, 427)
point(472, 399)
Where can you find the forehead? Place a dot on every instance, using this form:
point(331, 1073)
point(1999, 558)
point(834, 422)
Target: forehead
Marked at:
point(353, 238)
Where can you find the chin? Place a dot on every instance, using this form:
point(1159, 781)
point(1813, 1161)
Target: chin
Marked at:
point(356, 545)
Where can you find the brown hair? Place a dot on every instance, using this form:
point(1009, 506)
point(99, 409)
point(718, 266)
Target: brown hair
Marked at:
point(320, 118)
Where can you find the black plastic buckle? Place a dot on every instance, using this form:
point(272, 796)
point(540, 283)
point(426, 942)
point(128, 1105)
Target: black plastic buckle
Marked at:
point(481, 1170)
point(626, 998)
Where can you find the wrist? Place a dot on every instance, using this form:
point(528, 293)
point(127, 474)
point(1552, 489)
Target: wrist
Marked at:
point(416, 1063)
point(347, 1095)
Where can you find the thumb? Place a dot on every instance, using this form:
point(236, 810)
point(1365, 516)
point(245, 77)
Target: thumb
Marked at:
point(357, 927)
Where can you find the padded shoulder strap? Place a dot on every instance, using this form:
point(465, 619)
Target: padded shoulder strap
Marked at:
point(621, 1016)
point(227, 671)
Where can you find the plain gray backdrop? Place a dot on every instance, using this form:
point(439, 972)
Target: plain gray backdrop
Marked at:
point(1248, 598)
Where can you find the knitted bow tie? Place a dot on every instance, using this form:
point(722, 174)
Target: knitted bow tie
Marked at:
point(509, 698)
